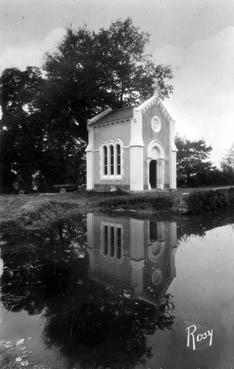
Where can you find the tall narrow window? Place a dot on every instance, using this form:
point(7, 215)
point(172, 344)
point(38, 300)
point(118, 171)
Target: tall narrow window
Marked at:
point(112, 160)
point(119, 242)
point(118, 159)
point(105, 240)
point(153, 231)
point(112, 241)
point(105, 160)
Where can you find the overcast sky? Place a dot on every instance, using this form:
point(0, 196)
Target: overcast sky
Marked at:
point(196, 37)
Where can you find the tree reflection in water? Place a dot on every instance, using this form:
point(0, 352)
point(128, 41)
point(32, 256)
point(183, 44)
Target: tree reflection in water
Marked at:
point(31, 276)
point(90, 323)
point(97, 325)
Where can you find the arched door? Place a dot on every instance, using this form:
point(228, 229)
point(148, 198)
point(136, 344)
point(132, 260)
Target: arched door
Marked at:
point(153, 173)
point(155, 165)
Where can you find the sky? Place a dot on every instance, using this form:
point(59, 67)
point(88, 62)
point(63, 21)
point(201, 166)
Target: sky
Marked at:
point(195, 37)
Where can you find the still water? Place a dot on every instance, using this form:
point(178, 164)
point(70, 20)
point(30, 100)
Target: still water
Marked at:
point(119, 292)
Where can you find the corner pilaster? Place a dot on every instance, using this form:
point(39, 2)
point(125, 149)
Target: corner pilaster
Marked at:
point(160, 174)
point(137, 254)
point(172, 157)
point(136, 152)
point(90, 160)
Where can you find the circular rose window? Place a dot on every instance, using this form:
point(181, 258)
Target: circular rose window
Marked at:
point(156, 124)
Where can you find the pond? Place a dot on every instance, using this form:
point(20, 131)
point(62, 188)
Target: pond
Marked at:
point(119, 292)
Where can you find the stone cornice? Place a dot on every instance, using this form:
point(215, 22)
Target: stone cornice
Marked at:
point(173, 147)
point(99, 116)
point(111, 122)
point(136, 142)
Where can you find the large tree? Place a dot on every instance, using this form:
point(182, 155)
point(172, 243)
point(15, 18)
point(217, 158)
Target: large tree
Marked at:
point(228, 162)
point(192, 160)
point(90, 70)
point(20, 138)
point(227, 166)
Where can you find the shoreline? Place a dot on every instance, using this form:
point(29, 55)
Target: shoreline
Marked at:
point(37, 210)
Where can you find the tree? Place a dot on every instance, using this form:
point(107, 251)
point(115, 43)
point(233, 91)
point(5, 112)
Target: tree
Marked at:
point(33, 143)
point(19, 137)
point(192, 160)
point(228, 162)
point(227, 166)
point(90, 70)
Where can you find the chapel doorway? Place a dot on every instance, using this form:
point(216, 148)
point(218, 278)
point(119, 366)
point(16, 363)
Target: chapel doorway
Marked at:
point(153, 173)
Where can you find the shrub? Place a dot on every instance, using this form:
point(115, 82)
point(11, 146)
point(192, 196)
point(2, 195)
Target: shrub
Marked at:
point(210, 201)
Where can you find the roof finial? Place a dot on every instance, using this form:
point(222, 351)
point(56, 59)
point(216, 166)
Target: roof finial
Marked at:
point(155, 87)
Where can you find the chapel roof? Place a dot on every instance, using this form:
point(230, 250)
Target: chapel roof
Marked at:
point(117, 115)
point(114, 115)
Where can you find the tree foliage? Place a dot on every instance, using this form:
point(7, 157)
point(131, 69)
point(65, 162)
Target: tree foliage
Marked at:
point(194, 168)
point(110, 67)
point(228, 161)
point(192, 159)
point(20, 138)
point(34, 145)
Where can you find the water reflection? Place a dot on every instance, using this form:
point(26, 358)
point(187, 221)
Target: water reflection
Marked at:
point(36, 264)
point(99, 304)
point(134, 253)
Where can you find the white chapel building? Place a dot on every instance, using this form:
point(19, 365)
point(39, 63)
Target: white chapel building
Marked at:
point(132, 148)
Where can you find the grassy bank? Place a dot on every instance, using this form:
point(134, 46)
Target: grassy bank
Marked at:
point(37, 210)
point(182, 201)
point(139, 202)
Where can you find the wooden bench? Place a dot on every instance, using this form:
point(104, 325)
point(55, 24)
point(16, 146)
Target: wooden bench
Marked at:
point(63, 188)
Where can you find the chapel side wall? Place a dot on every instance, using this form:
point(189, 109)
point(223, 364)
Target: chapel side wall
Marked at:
point(163, 136)
point(107, 133)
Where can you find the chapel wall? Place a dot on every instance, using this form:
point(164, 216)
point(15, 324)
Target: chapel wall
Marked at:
point(103, 134)
point(120, 270)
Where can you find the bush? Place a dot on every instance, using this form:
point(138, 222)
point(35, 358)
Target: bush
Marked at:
point(210, 201)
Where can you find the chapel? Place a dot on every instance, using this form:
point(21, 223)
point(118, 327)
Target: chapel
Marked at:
point(132, 148)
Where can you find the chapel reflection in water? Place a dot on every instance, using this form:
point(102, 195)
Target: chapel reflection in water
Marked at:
point(135, 253)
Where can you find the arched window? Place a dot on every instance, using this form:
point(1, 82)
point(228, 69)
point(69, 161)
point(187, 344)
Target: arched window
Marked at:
point(119, 242)
point(111, 160)
point(112, 240)
point(118, 159)
point(153, 231)
point(105, 239)
point(105, 158)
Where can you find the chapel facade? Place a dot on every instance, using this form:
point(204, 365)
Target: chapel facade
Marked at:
point(132, 148)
